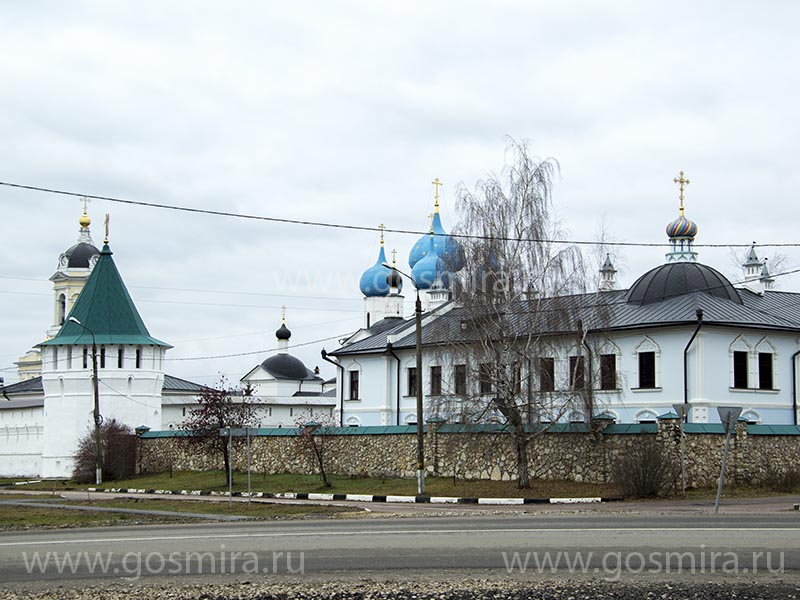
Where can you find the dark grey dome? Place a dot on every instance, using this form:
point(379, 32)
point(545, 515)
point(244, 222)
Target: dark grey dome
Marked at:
point(394, 279)
point(676, 279)
point(79, 255)
point(283, 333)
point(285, 366)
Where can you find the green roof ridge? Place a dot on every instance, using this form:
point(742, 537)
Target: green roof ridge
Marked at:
point(105, 307)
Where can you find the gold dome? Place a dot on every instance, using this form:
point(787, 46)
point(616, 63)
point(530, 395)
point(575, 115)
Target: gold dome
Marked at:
point(85, 221)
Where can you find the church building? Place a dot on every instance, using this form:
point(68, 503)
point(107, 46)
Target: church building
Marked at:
point(681, 334)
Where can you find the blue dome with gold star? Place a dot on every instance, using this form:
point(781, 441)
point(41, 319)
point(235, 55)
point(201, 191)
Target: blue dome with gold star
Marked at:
point(428, 267)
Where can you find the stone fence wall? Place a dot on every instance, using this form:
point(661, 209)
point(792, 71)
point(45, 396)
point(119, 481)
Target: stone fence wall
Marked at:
point(573, 452)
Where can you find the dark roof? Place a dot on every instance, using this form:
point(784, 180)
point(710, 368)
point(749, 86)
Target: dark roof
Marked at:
point(675, 279)
point(602, 311)
point(105, 308)
point(286, 366)
point(80, 254)
point(171, 384)
point(25, 387)
point(174, 384)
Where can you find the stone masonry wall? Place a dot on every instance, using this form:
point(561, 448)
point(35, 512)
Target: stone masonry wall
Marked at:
point(578, 456)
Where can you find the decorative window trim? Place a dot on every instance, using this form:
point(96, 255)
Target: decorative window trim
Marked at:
point(647, 344)
point(649, 415)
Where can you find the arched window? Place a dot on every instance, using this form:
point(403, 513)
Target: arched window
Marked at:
point(352, 422)
point(62, 309)
point(740, 351)
point(648, 364)
point(411, 419)
point(646, 416)
point(751, 417)
point(766, 355)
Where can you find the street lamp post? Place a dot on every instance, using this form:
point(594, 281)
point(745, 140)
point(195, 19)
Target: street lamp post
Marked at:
point(96, 394)
point(420, 420)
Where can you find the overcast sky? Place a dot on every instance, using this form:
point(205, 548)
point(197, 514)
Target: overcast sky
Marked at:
point(344, 112)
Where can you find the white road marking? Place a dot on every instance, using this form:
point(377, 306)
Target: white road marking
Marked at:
point(398, 532)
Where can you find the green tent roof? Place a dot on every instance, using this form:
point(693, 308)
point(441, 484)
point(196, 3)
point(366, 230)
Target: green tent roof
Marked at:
point(106, 309)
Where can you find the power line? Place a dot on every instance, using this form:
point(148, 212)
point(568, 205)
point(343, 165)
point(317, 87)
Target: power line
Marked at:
point(221, 213)
point(334, 337)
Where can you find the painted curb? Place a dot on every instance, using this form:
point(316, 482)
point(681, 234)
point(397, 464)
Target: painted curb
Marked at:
point(371, 497)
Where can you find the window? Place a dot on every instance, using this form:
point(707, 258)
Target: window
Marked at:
point(740, 370)
point(184, 411)
point(412, 381)
point(69, 357)
point(62, 309)
point(354, 385)
point(547, 374)
point(765, 371)
point(516, 373)
point(647, 370)
point(646, 416)
point(102, 357)
point(120, 357)
point(460, 379)
point(608, 371)
point(486, 378)
point(577, 379)
point(138, 358)
point(436, 381)
point(85, 357)
point(55, 357)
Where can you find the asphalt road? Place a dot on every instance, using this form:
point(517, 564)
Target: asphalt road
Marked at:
point(609, 546)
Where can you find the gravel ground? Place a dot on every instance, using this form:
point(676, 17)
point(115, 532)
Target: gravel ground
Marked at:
point(368, 589)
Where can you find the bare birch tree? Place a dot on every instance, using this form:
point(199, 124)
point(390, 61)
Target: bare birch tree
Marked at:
point(521, 295)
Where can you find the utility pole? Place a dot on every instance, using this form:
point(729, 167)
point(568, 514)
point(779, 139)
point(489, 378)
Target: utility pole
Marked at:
point(98, 447)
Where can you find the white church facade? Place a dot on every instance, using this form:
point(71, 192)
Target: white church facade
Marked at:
point(681, 334)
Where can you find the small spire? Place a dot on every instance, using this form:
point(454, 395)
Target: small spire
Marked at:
point(682, 182)
point(381, 227)
point(436, 184)
point(108, 219)
point(283, 315)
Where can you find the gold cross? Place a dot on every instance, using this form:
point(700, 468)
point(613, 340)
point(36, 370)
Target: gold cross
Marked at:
point(681, 181)
point(436, 184)
point(283, 315)
point(108, 218)
point(85, 202)
point(394, 258)
point(381, 227)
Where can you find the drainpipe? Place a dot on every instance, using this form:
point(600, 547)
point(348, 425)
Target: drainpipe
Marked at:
point(341, 379)
point(390, 350)
point(794, 387)
point(686, 356)
point(590, 371)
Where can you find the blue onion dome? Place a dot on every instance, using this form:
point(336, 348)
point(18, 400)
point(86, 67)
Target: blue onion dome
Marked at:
point(426, 269)
point(373, 282)
point(682, 228)
point(444, 245)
